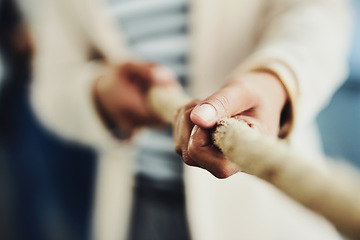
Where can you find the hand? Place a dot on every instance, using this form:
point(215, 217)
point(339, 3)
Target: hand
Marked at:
point(256, 98)
point(121, 94)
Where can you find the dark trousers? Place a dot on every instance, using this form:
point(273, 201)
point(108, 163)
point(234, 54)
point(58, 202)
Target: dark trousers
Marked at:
point(158, 211)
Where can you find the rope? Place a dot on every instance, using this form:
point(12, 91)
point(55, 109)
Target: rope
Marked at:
point(334, 193)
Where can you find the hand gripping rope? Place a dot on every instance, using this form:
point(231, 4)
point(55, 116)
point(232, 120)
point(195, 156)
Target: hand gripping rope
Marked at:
point(335, 193)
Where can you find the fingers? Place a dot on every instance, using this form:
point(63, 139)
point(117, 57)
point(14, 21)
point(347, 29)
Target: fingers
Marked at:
point(134, 79)
point(136, 74)
point(182, 128)
point(203, 153)
point(253, 98)
point(195, 145)
point(229, 101)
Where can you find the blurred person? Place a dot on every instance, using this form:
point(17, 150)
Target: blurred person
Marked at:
point(272, 64)
point(40, 175)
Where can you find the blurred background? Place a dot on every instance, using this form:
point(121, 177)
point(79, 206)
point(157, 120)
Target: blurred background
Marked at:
point(46, 185)
point(339, 123)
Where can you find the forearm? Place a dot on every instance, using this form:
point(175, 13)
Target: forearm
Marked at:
point(68, 108)
point(64, 76)
point(305, 43)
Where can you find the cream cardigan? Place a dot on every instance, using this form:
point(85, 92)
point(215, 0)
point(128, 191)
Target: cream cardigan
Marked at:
point(303, 41)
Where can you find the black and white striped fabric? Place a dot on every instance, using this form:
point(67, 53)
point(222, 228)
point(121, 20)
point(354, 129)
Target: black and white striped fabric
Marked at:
point(156, 30)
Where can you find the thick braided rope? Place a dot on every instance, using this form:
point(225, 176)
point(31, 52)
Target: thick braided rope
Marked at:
point(332, 193)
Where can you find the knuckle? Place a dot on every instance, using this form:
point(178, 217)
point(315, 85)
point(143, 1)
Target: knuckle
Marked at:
point(182, 114)
point(187, 160)
point(187, 113)
point(178, 149)
point(222, 103)
point(193, 151)
point(222, 172)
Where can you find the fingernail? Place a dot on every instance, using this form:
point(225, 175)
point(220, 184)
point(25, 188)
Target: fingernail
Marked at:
point(193, 131)
point(206, 112)
point(195, 128)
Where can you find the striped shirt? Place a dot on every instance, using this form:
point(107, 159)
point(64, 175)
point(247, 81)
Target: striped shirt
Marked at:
point(156, 30)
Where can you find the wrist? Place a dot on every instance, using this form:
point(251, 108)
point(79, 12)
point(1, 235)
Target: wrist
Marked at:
point(273, 87)
point(103, 106)
point(100, 102)
point(271, 98)
point(266, 85)
point(280, 97)
point(286, 76)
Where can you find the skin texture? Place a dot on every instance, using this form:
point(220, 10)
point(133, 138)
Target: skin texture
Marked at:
point(121, 95)
point(257, 98)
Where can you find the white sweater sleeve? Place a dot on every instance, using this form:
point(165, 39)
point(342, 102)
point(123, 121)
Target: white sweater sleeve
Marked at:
point(64, 74)
point(305, 42)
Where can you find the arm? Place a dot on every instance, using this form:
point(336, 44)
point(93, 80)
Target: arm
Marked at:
point(77, 97)
point(305, 43)
point(64, 73)
point(298, 63)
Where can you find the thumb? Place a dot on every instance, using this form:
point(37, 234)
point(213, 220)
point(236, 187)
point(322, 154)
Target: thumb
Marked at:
point(227, 102)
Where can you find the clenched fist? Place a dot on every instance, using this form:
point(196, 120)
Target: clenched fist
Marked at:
point(257, 98)
point(120, 94)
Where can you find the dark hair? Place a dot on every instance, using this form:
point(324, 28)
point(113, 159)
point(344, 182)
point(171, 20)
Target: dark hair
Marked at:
point(16, 63)
point(10, 22)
